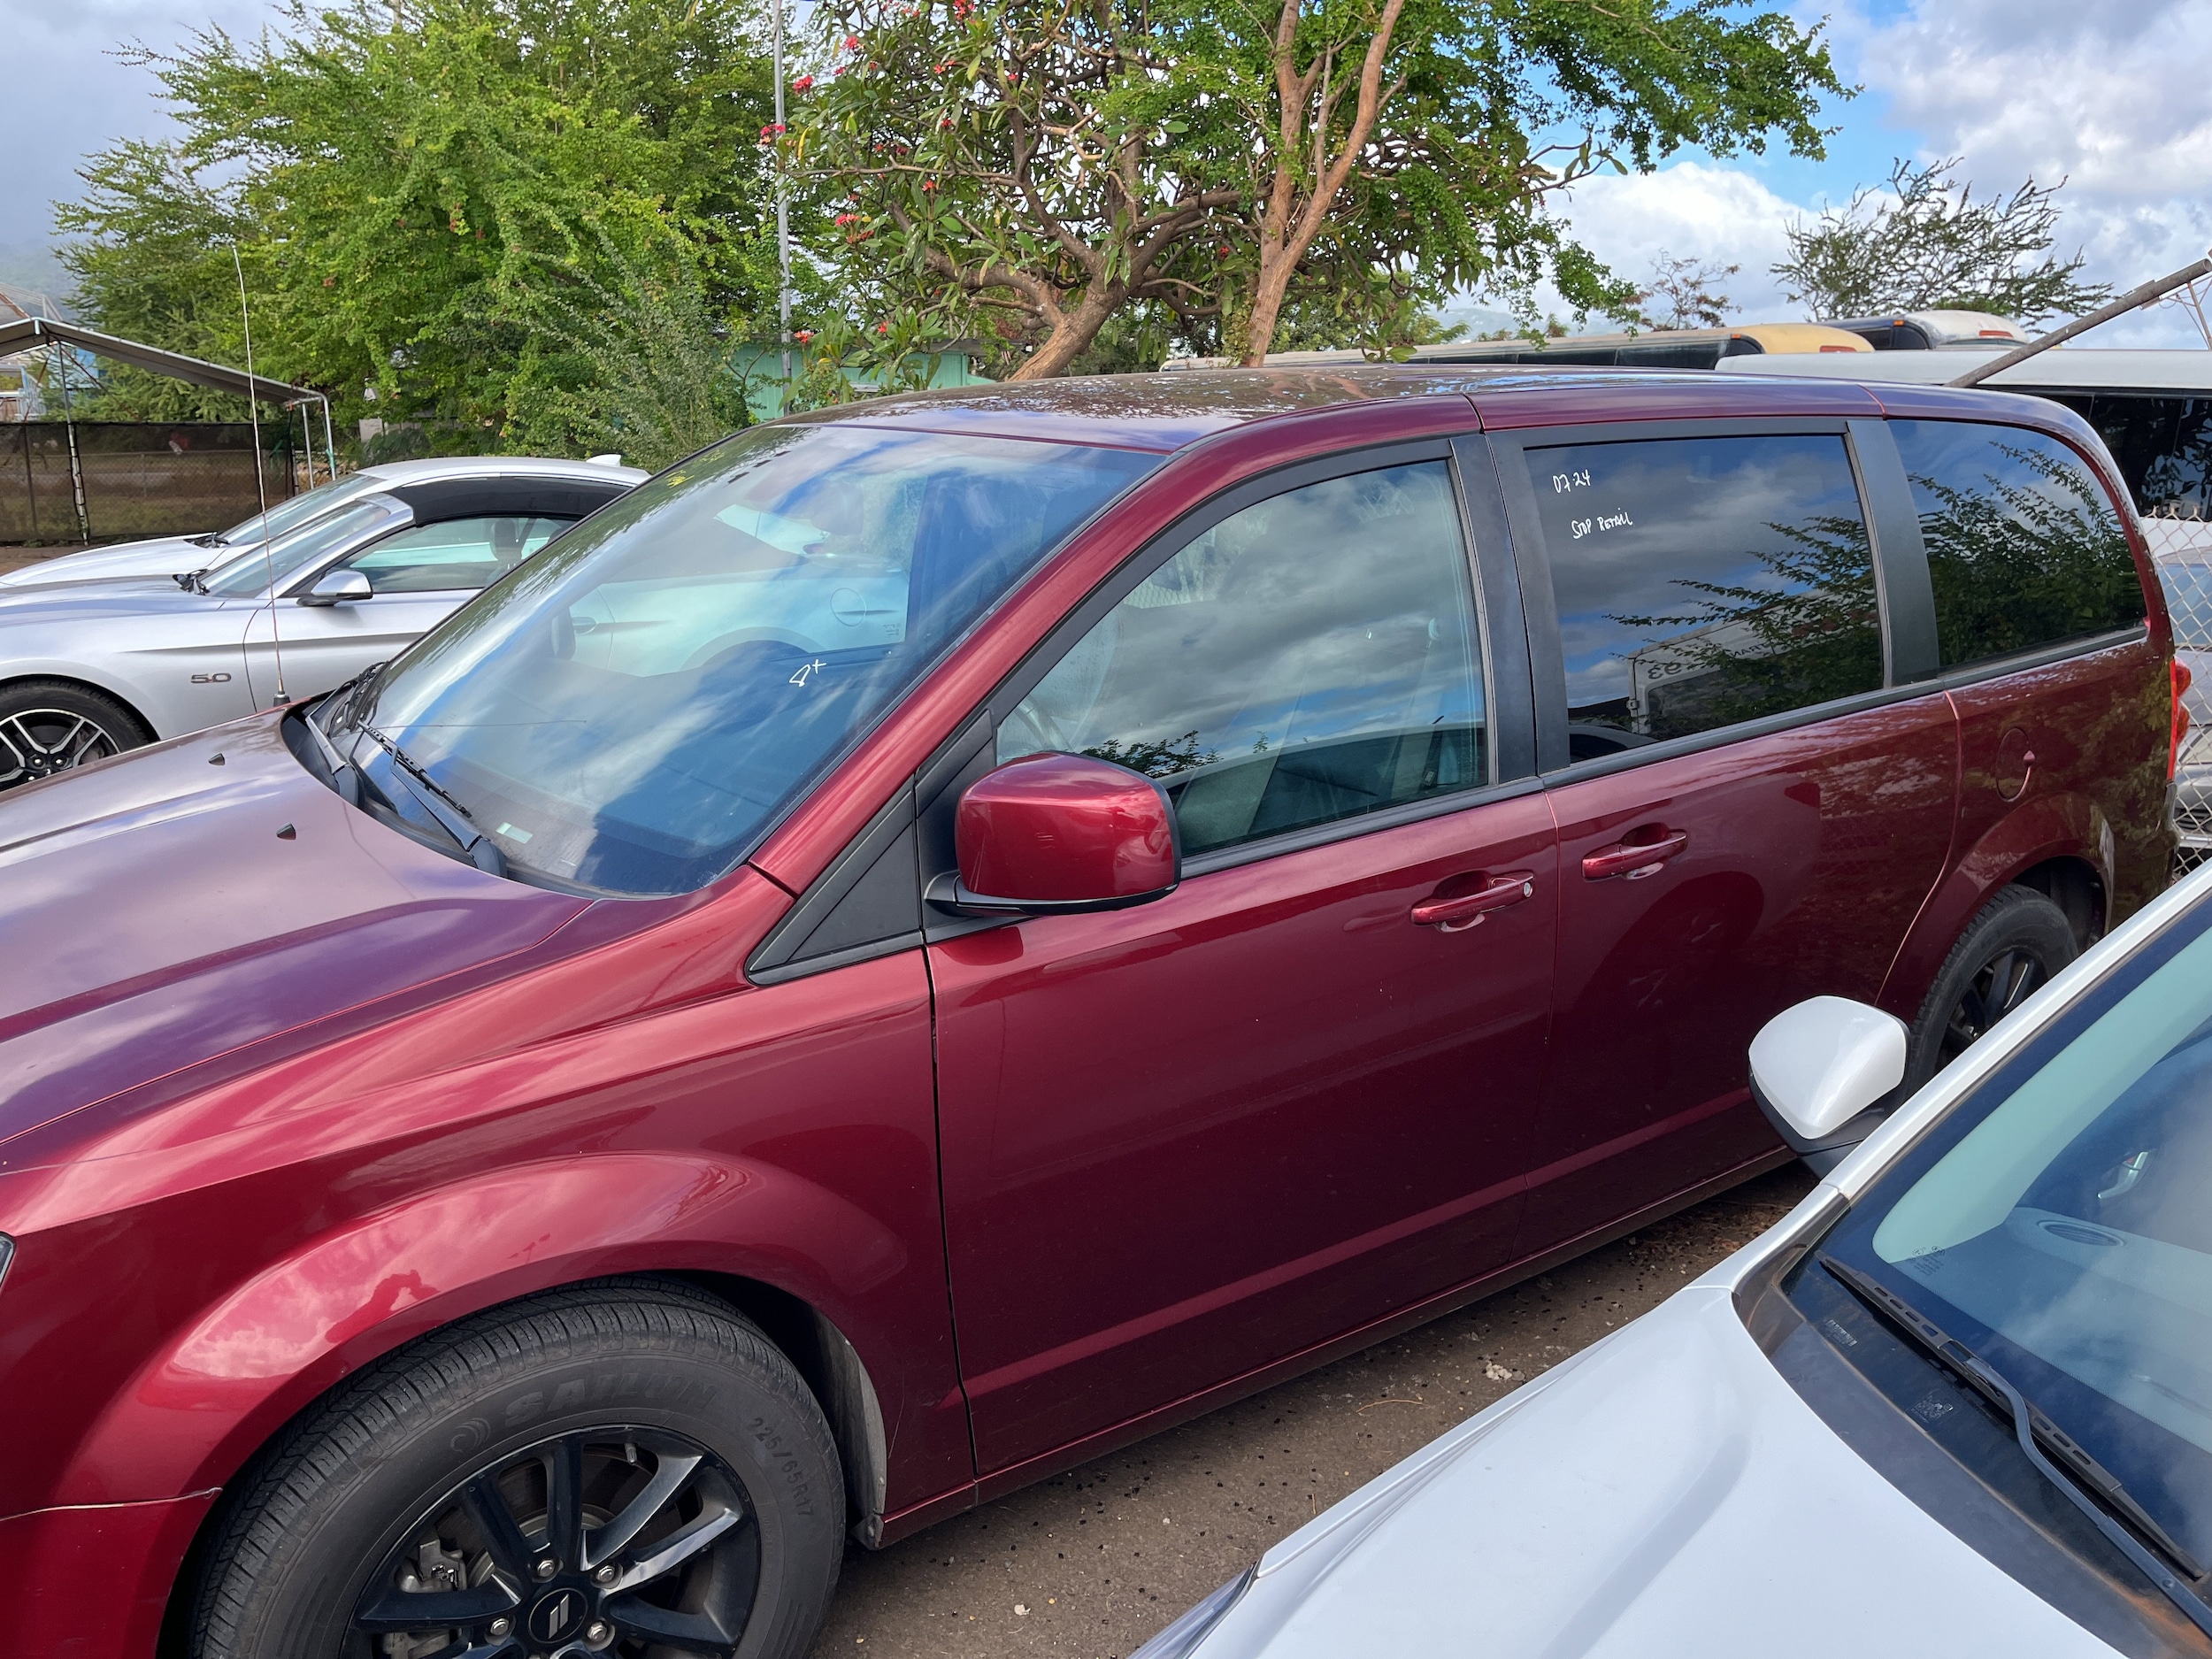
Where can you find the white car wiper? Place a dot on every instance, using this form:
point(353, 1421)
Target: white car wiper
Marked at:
point(2036, 1432)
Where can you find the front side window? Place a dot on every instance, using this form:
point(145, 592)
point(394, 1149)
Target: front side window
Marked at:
point(251, 570)
point(1701, 582)
point(461, 554)
point(2024, 547)
point(633, 708)
point(2061, 1229)
point(1310, 658)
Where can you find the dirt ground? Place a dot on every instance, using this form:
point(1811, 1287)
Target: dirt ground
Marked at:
point(1092, 1565)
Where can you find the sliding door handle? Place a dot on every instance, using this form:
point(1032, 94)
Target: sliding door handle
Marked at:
point(1468, 907)
point(1634, 859)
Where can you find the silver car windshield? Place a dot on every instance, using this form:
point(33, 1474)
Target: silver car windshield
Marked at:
point(251, 571)
point(288, 516)
point(630, 709)
point(2066, 1236)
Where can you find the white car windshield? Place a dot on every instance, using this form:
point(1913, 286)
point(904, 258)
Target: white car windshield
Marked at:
point(630, 709)
point(252, 570)
point(2063, 1232)
point(288, 516)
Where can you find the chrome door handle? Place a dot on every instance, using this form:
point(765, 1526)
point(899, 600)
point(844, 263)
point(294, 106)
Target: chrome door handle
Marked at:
point(1452, 915)
point(1625, 858)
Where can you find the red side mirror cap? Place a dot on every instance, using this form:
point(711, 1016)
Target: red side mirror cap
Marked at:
point(1055, 832)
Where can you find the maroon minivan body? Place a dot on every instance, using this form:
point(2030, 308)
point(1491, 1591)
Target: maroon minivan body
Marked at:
point(283, 1091)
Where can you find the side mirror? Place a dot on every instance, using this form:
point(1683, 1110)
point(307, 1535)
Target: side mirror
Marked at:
point(338, 587)
point(1061, 832)
point(1822, 1072)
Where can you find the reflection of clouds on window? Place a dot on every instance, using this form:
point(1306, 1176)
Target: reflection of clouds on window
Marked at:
point(1701, 582)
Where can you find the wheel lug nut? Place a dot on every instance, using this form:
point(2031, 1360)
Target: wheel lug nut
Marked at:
point(604, 1575)
point(546, 1567)
point(501, 1626)
point(598, 1631)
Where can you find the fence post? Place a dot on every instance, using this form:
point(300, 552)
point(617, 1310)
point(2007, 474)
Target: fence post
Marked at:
point(30, 480)
point(76, 464)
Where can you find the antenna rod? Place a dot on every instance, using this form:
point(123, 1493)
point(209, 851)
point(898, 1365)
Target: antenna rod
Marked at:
point(783, 216)
point(2126, 303)
point(253, 410)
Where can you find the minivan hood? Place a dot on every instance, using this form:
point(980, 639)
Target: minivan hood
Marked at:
point(171, 904)
point(1664, 1495)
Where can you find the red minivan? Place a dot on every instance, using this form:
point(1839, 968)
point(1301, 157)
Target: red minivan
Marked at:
point(938, 937)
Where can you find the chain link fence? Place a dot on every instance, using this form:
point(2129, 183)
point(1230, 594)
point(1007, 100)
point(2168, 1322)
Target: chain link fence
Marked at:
point(129, 478)
point(2182, 549)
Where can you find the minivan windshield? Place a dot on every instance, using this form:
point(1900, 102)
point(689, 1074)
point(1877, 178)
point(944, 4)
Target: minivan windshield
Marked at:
point(631, 709)
point(2066, 1236)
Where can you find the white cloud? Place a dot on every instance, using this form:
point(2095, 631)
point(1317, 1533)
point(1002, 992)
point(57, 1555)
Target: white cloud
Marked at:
point(2114, 97)
point(1691, 210)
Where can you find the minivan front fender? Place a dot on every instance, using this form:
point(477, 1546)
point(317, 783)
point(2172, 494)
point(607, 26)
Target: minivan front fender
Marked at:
point(234, 1374)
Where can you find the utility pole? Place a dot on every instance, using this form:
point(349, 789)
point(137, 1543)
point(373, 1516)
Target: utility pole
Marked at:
point(783, 220)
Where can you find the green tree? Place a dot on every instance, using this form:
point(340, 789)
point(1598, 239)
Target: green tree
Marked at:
point(421, 209)
point(1925, 244)
point(1028, 170)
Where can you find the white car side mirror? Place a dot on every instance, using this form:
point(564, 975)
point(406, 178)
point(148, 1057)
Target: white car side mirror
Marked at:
point(1822, 1073)
point(338, 588)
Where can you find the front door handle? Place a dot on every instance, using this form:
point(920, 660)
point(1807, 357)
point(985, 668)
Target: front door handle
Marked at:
point(1634, 859)
point(1467, 908)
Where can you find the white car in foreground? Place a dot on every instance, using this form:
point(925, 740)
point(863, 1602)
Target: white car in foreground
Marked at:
point(173, 555)
point(1958, 1402)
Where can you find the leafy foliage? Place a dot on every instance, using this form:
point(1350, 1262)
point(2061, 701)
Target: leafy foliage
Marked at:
point(1927, 244)
point(1684, 293)
point(1024, 170)
point(422, 209)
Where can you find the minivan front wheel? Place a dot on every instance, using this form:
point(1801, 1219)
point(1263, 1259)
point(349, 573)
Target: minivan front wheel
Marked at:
point(623, 1469)
point(2011, 950)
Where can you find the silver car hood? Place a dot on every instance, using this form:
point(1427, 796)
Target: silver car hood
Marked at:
point(161, 556)
point(1664, 1495)
point(121, 596)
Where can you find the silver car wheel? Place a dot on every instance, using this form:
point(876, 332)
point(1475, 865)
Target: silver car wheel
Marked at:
point(36, 743)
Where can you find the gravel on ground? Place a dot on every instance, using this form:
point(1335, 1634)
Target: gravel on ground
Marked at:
point(1091, 1564)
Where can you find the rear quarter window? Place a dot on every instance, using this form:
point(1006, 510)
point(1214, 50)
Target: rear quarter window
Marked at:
point(2025, 549)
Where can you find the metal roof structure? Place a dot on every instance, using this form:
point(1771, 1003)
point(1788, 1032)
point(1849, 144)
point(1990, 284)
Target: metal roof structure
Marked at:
point(28, 333)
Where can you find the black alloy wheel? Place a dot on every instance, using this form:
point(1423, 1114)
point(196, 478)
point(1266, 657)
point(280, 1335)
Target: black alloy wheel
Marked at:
point(1999, 986)
point(2008, 952)
point(49, 727)
point(625, 1467)
point(621, 1540)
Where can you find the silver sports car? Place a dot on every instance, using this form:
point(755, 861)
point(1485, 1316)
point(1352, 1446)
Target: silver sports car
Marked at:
point(162, 556)
point(91, 667)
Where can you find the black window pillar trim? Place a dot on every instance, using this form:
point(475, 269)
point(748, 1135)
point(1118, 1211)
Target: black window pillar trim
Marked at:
point(1909, 650)
point(1508, 692)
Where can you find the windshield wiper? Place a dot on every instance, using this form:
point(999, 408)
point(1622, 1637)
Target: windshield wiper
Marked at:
point(193, 582)
point(450, 816)
point(2036, 1432)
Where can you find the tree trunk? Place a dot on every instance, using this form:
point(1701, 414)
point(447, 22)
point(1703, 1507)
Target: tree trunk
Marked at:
point(1070, 336)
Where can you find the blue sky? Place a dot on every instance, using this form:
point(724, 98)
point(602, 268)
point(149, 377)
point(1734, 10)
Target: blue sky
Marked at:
point(2114, 94)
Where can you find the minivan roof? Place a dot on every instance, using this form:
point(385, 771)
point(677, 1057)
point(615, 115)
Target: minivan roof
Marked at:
point(1168, 411)
point(2063, 368)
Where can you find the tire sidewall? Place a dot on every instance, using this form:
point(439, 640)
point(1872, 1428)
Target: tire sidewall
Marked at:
point(373, 1495)
point(2017, 919)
